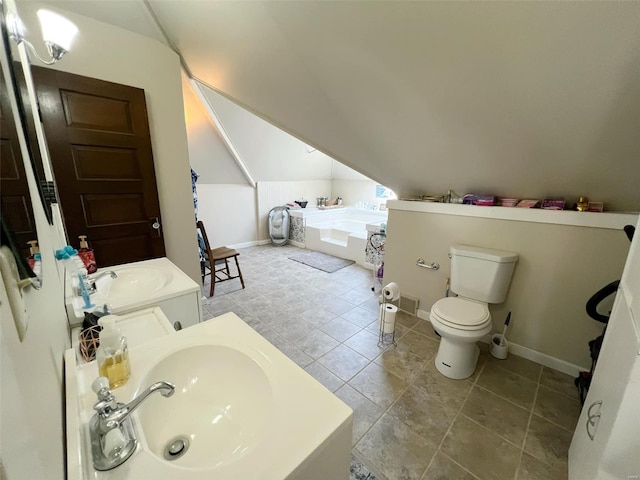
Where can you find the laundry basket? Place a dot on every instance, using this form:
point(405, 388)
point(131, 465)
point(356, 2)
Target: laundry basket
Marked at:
point(279, 225)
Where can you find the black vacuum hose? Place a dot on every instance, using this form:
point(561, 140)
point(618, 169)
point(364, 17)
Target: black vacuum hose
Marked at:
point(604, 292)
point(600, 295)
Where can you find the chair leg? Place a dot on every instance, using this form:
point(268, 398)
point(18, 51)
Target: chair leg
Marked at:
point(239, 271)
point(213, 280)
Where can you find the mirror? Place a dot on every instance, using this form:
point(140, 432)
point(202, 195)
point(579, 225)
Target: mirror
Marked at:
point(18, 137)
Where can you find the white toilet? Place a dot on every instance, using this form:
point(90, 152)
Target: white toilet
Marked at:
point(479, 276)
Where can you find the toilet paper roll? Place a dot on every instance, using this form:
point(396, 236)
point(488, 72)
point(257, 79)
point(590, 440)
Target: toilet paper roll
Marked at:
point(387, 320)
point(114, 442)
point(391, 292)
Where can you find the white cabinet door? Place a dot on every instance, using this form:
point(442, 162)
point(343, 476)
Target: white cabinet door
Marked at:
point(617, 357)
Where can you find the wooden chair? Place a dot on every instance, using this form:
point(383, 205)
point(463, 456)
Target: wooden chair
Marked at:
point(217, 262)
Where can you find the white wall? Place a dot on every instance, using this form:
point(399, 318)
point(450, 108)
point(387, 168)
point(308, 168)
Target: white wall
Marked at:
point(281, 164)
point(559, 268)
point(353, 191)
point(229, 213)
point(269, 153)
point(113, 54)
point(208, 154)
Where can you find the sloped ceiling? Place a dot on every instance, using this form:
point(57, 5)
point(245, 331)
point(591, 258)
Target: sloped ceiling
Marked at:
point(522, 99)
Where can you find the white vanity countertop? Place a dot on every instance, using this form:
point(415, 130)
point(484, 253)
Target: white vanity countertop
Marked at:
point(178, 283)
point(138, 327)
point(303, 418)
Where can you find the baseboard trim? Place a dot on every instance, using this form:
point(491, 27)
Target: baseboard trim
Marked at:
point(244, 244)
point(530, 354)
point(267, 242)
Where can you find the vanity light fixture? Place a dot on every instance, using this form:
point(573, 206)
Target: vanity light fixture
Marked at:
point(57, 32)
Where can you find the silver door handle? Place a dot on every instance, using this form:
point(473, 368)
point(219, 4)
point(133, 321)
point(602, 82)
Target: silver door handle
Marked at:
point(430, 266)
point(593, 418)
point(156, 224)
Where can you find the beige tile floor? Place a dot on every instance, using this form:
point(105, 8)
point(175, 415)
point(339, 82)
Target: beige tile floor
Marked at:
point(513, 419)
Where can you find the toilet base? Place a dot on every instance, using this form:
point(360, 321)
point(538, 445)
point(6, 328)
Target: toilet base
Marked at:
point(457, 360)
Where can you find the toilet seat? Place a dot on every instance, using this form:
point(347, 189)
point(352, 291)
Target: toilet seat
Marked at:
point(461, 314)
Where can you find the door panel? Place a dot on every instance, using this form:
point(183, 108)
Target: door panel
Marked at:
point(98, 136)
point(94, 112)
point(105, 163)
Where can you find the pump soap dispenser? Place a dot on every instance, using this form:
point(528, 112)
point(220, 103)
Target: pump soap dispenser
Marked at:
point(86, 255)
point(33, 250)
point(112, 355)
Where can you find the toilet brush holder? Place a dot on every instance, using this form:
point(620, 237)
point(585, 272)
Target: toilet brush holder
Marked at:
point(498, 347)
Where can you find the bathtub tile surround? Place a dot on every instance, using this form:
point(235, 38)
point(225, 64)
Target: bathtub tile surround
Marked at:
point(511, 419)
point(372, 256)
point(296, 229)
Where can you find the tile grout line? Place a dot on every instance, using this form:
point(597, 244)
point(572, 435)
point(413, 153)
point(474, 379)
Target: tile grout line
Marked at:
point(439, 449)
point(526, 433)
point(385, 412)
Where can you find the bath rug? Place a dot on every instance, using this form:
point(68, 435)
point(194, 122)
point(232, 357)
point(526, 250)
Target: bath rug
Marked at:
point(359, 471)
point(322, 261)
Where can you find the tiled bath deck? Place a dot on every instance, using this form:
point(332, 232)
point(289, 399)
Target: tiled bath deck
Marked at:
point(513, 419)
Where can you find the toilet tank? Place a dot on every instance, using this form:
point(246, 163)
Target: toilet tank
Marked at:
point(481, 274)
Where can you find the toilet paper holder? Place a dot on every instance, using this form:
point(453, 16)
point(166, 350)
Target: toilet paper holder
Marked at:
point(387, 314)
point(430, 266)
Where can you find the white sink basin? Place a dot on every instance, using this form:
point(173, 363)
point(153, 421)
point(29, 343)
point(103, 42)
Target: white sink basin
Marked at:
point(214, 405)
point(155, 282)
point(133, 282)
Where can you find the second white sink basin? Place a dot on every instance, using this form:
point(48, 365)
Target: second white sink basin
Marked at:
point(221, 405)
point(155, 282)
point(133, 282)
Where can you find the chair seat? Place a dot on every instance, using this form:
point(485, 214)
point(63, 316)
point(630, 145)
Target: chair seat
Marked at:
point(221, 253)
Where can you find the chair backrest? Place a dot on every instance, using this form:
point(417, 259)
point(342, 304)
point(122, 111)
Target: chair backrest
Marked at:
point(200, 226)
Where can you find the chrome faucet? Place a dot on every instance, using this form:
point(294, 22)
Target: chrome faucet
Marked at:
point(103, 273)
point(113, 438)
point(91, 282)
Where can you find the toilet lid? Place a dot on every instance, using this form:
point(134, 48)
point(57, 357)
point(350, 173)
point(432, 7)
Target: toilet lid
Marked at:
point(459, 311)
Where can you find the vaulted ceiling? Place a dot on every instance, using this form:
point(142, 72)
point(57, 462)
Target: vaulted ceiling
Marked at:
point(519, 99)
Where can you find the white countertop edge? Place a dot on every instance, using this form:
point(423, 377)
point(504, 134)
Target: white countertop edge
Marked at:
point(610, 220)
point(73, 441)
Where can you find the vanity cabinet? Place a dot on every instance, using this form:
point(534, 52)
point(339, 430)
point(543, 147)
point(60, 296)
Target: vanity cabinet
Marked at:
point(606, 443)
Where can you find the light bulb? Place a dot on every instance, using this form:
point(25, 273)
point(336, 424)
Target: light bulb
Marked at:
point(56, 29)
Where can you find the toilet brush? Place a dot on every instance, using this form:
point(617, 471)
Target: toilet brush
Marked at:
point(498, 346)
point(504, 332)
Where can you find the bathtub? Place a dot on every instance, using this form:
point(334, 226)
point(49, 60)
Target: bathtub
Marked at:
point(340, 232)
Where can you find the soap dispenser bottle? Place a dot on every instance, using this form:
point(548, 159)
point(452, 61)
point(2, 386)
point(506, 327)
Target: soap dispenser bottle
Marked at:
point(87, 256)
point(33, 250)
point(112, 355)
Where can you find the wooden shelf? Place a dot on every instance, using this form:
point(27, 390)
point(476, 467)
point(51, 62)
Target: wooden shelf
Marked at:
point(610, 220)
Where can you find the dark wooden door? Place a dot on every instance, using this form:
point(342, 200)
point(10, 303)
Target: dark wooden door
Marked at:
point(98, 137)
point(15, 201)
